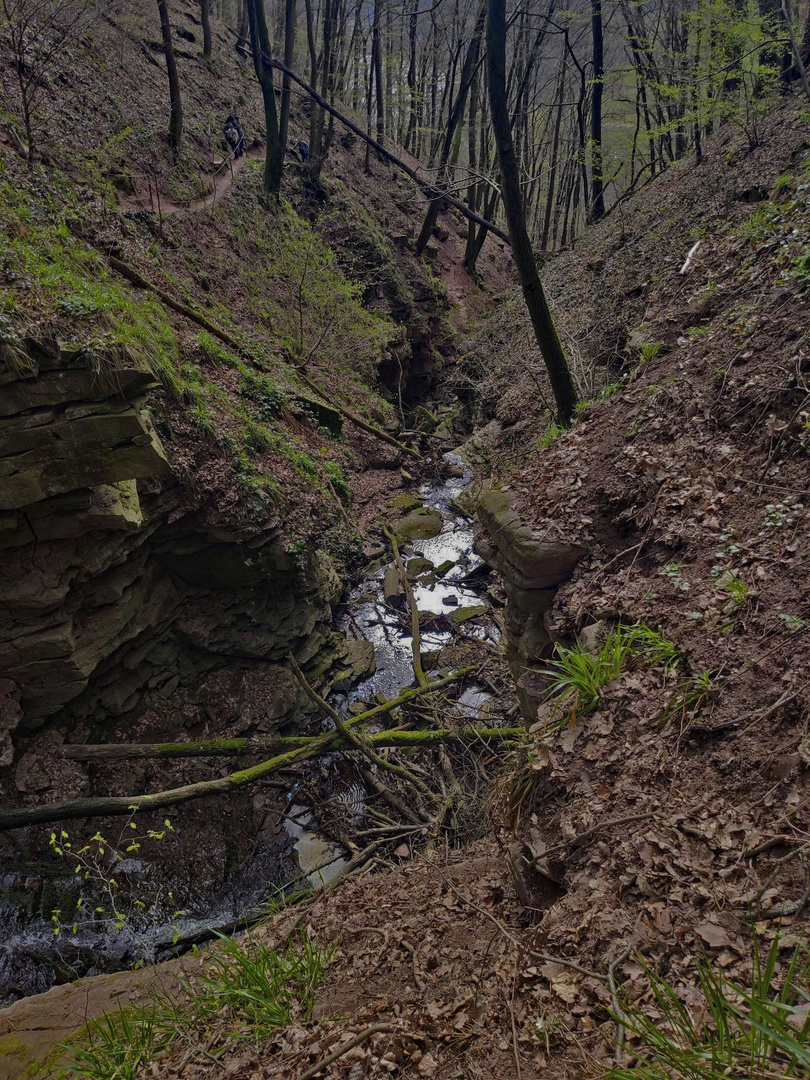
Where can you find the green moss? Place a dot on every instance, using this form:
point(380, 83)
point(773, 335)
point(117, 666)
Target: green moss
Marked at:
point(52, 278)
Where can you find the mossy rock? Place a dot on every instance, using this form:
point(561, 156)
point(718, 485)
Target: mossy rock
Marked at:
point(362, 661)
point(418, 566)
point(445, 567)
point(468, 612)
point(405, 502)
point(421, 524)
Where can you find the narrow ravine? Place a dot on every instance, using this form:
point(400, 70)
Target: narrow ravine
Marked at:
point(448, 589)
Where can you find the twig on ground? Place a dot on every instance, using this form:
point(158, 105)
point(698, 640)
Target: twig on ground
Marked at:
point(344, 1048)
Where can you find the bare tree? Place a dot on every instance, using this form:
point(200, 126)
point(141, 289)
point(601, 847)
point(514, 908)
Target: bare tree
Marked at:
point(38, 30)
point(176, 103)
point(263, 66)
point(545, 331)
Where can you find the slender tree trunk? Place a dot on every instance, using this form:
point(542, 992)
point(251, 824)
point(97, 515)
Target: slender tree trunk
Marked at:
point(552, 179)
point(376, 53)
point(472, 162)
point(205, 18)
point(598, 80)
point(262, 65)
point(460, 104)
point(548, 340)
point(244, 29)
point(412, 102)
point(176, 115)
point(289, 60)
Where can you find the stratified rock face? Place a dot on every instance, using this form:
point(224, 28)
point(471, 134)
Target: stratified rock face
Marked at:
point(113, 595)
point(532, 569)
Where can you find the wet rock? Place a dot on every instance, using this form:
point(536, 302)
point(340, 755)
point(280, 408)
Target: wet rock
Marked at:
point(418, 566)
point(467, 612)
point(450, 601)
point(421, 524)
point(362, 662)
point(404, 502)
point(445, 567)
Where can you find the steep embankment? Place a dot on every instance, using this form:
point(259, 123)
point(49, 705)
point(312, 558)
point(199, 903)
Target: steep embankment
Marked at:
point(668, 815)
point(181, 467)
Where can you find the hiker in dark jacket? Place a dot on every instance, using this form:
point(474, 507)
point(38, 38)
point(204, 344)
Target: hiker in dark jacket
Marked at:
point(240, 143)
point(302, 147)
point(232, 135)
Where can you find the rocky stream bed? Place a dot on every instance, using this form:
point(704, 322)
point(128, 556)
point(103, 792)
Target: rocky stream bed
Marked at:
point(294, 843)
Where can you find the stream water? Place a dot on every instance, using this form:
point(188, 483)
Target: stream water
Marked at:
point(32, 956)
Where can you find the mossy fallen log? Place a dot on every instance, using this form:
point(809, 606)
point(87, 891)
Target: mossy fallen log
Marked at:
point(109, 805)
point(282, 743)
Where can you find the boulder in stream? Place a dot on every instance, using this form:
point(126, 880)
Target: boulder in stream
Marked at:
point(467, 612)
point(421, 524)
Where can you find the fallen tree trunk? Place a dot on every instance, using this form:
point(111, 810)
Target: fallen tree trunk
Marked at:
point(281, 743)
point(372, 429)
point(105, 805)
point(416, 637)
point(140, 282)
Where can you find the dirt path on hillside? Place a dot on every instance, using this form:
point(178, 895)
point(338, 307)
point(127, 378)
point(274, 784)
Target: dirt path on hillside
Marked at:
point(224, 176)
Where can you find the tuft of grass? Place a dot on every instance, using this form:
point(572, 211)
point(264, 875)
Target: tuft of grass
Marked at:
point(117, 1046)
point(690, 697)
point(583, 675)
point(259, 988)
point(734, 587)
point(245, 992)
point(547, 438)
point(761, 1032)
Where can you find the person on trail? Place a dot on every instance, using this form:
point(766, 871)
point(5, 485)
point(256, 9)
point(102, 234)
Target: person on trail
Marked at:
point(302, 146)
point(232, 134)
point(235, 136)
point(240, 145)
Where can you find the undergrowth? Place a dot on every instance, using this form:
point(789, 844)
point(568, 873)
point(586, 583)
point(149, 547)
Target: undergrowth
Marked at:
point(243, 993)
point(761, 1032)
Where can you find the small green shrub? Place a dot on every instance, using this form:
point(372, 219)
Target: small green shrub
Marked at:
point(261, 390)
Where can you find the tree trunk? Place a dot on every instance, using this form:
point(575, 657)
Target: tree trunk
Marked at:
point(289, 60)
point(124, 804)
point(244, 30)
point(548, 340)
point(552, 179)
point(263, 66)
point(412, 102)
point(460, 104)
point(205, 17)
point(176, 115)
point(376, 54)
point(598, 81)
